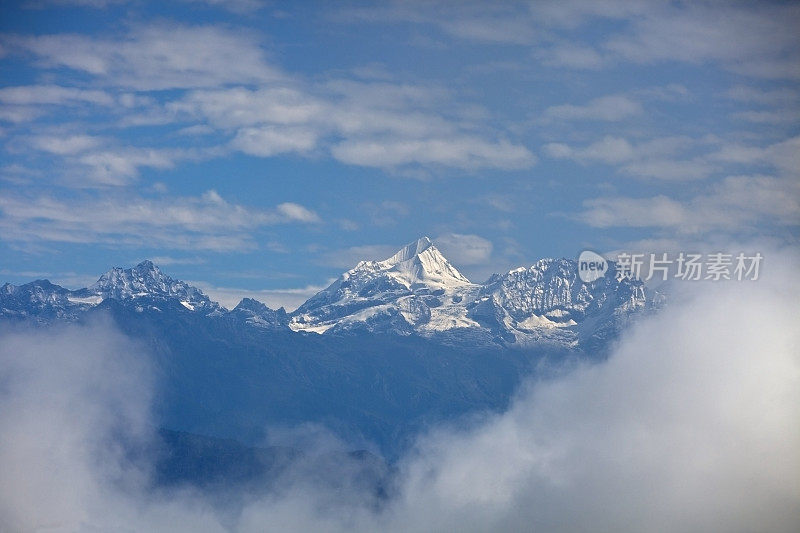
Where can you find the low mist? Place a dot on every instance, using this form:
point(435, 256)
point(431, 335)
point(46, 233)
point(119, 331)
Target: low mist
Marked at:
point(692, 424)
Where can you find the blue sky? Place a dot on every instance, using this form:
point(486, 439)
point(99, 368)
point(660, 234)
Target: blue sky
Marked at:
point(261, 148)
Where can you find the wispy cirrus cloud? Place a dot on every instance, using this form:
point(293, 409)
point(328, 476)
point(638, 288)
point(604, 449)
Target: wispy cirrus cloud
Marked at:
point(267, 141)
point(373, 124)
point(243, 7)
point(206, 222)
point(25, 103)
point(464, 249)
point(460, 152)
point(259, 110)
point(681, 158)
point(154, 57)
point(53, 95)
point(778, 117)
point(749, 93)
point(609, 108)
point(757, 41)
point(750, 40)
point(140, 102)
point(64, 144)
point(783, 156)
point(82, 160)
point(571, 55)
point(347, 258)
point(736, 203)
point(97, 4)
point(662, 158)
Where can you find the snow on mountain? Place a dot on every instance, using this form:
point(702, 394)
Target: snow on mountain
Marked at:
point(549, 301)
point(147, 280)
point(40, 299)
point(419, 262)
point(418, 291)
point(415, 289)
point(144, 285)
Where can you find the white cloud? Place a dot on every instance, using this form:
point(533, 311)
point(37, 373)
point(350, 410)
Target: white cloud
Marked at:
point(347, 258)
point(611, 149)
point(197, 129)
point(91, 161)
point(386, 213)
point(784, 156)
point(155, 57)
point(464, 249)
point(676, 159)
point(755, 40)
point(376, 124)
point(670, 92)
point(658, 158)
point(574, 13)
point(746, 93)
point(785, 116)
point(267, 141)
point(25, 103)
point(692, 424)
point(207, 222)
point(243, 7)
point(69, 394)
point(164, 260)
point(759, 40)
point(504, 23)
point(459, 152)
point(297, 213)
point(230, 86)
point(98, 4)
point(607, 150)
point(19, 114)
point(238, 107)
point(120, 167)
point(668, 169)
point(737, 203)
point(388, 95)
point(781, 104)
point(658, 211)
point(571, 56)
point(610, 108)
point(749, 198)
point(53, 95)
point(652, 440)
point(65, 145)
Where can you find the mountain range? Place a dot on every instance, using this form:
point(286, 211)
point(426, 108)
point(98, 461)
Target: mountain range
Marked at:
point(389, 348)
point(417, 291)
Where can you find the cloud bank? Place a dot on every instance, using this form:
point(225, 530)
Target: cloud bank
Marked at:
point(693, 424)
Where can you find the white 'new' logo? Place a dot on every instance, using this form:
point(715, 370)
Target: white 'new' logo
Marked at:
point(591, 266)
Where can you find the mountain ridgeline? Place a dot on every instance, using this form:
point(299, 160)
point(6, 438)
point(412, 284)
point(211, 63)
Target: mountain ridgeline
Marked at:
point(388, 348)
point(417, 292)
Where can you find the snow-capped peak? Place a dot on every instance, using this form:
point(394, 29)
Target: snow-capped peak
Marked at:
point(142, 279)
point(416, 285)
point(409, 251)
point(421, 262)
point(147, 280)
point(415, 291)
